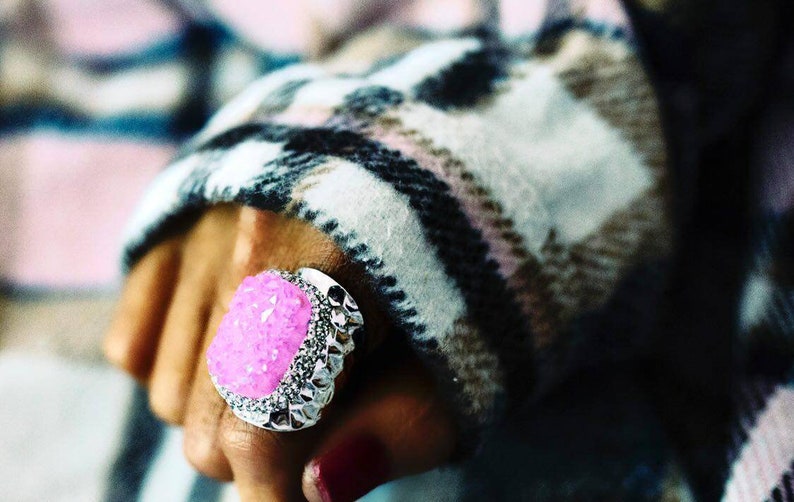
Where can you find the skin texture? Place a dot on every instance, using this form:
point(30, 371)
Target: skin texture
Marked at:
point(168, 312)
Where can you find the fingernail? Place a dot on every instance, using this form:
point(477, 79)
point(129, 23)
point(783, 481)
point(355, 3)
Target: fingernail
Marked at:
point(351, 469)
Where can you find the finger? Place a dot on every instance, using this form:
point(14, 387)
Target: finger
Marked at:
point(266, 465)
point(132, 337)
point(205, 253)
point(396, 428)
point(205, 407)
point(204, 410)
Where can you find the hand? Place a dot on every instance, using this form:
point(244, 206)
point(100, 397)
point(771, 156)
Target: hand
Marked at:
point(386, 420)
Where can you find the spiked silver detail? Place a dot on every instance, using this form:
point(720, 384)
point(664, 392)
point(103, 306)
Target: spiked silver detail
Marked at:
point(308, 385)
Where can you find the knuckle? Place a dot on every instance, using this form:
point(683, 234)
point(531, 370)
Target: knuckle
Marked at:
point(247, 254)
point(244, 444)
point(120, 354)
point(117, 354)
point(203, 453)
point(165, 402)
point(236, 439)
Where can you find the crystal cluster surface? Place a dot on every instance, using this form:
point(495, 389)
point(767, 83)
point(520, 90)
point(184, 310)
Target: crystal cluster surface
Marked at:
point(267, 321)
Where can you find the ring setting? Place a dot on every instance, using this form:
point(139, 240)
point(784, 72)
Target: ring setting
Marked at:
point(281, 345)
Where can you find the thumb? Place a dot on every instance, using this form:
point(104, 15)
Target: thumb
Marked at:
point(397, 427)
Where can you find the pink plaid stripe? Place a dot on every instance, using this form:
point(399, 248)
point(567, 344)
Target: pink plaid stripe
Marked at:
point(68, 198)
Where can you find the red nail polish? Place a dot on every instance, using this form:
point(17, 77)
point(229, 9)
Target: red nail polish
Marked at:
point(351, 469)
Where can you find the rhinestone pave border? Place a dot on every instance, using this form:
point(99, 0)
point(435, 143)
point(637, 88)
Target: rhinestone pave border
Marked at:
point(308, 384)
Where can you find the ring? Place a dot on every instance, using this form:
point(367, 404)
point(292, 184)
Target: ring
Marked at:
point(281, 345)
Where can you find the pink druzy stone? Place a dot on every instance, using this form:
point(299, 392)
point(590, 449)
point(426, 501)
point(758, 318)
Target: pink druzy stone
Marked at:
point(257, 339)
